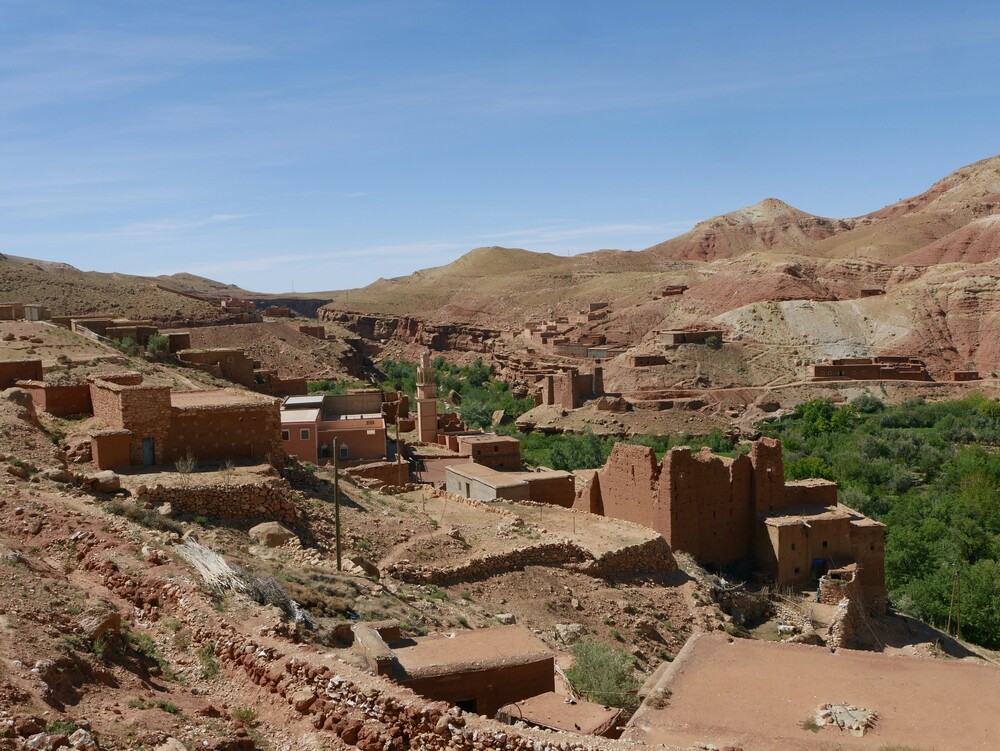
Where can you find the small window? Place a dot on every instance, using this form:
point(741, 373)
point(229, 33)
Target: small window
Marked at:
point(796, 569)
point(284, 435)
point(793, 546)
point(304, 434)
point(871, 547)
point(825, 543)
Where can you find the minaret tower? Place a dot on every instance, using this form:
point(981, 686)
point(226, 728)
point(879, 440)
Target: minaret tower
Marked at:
point(427, 420)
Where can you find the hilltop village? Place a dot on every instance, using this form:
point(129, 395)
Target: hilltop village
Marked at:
point(249, 560)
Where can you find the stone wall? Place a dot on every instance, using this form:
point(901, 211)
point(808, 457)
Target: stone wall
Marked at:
point(12, 371)
point(846, 594)
point(271, 500)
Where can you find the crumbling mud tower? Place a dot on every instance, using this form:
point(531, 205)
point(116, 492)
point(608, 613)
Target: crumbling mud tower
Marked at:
point(427, 421)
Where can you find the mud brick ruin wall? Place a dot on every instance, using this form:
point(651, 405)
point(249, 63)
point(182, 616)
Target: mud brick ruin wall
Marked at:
point(244, 431)
point(232, 364)
point(60, 400)
point(271, 500)
point(11, 311)
point(701, 503)
point(12, 371)
point(650, 557)
point(387, 473)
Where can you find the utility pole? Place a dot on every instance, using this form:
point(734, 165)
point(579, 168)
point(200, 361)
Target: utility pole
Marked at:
point(951, 606)
point(336, 498)
point(955, 608)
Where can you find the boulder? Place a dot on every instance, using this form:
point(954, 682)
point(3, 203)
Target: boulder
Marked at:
point(569, 633)
point(99, 619)
point(767, 403)
point(106, 481)
point(507, 619)
point(58, 474)
point(500, 417)
point(272, 534)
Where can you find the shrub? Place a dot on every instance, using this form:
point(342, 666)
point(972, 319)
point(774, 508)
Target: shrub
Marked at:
point(157, 346)
point(209, 665)
point(246, 716)
point(604, 674)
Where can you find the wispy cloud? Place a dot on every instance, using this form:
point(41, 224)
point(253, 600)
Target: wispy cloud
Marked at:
point(542, 236)
point(166, 226)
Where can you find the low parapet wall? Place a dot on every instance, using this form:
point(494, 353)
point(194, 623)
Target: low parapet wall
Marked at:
point(649, 558)
point(272, 500)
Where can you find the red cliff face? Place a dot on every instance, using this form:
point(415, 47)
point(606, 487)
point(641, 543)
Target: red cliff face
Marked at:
point(410, 330)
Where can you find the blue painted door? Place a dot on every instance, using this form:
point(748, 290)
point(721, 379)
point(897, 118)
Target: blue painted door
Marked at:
point(148, 454)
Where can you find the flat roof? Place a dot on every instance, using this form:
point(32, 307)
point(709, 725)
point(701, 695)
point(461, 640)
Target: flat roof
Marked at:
point(759, 693)
point(300, 402)
point(808, 514)
point(553, 711)
point(216, 398)
point(468, 651)
point(299, 416)
point(487, 438)
point(502, 479)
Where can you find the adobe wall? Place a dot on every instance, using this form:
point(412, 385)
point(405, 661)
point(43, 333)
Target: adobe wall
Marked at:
point(558, 491)
point(226, 432)
point(232, 364)
point(811, 492)
point(492, 688)
point(387, 473)
point(144, 410)
point(271, 500)
point(178, 340)
point(109, 449)
point(359, 444)
point(60, 400)
point(367, 402)
point(706, 503)
point(12, 371)
point(11, 311)
point(628, 484)
point(304, 449)
point(768, 476)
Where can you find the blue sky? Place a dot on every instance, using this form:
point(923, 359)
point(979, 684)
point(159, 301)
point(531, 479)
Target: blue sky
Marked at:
point(320, 145)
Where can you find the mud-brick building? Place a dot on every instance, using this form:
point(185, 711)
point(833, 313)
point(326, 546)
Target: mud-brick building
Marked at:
point(480, 670)
point(484, 483)
point(309, 425)
point(722, 510)
point(161, 426)
point(872, 369)
point(488, 449)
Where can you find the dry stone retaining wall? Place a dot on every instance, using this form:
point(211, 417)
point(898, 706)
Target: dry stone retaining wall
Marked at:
point(268, 500)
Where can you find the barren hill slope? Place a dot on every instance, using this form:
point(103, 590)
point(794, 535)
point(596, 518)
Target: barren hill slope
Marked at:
point(65, 290)
point(768, 251)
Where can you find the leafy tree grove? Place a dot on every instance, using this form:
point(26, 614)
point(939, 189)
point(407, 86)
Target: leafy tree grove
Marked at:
point(931, 472)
